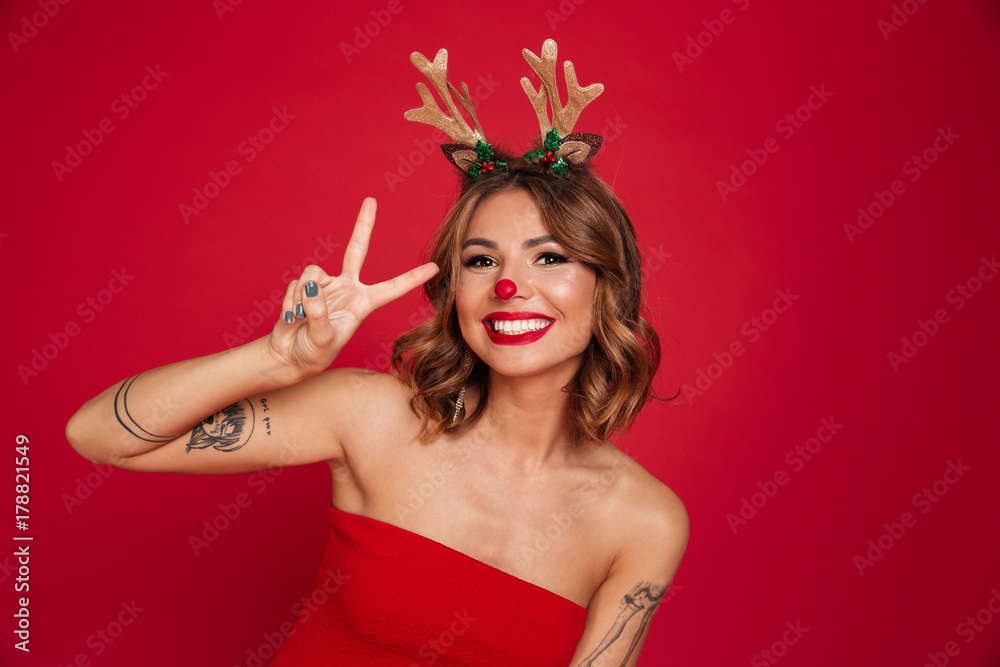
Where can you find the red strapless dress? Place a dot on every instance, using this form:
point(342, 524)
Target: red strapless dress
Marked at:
point(385, 596)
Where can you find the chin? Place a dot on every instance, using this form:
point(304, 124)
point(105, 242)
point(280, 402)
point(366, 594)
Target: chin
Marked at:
point(528, 366)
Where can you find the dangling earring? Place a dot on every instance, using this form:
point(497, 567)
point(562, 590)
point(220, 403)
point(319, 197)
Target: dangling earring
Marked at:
point(460, 401)
point(459, 404)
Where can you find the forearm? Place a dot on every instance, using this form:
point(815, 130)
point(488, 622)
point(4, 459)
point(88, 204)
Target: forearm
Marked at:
point(146, 411)
point(141, 414)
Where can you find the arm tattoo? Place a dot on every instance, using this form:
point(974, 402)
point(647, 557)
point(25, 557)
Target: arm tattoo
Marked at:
point(266, 420)
point(125, 418)
point(226, 431)
point(643, 597)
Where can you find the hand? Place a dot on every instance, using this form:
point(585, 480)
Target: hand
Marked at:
point(335, 306)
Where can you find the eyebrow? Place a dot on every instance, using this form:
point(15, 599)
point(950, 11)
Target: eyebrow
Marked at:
point(527, 245)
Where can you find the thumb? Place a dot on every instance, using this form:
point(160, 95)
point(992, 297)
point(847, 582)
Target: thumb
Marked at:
point(317, 315)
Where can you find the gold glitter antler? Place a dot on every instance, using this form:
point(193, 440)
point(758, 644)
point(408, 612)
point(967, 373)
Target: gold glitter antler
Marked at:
point(563, 118)
point(453, 125)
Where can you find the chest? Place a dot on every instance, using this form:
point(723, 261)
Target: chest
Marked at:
point(552, 531)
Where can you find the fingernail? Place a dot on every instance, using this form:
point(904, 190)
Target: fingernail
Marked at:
point(289, 317)
point(300, 312)
point(312, 289)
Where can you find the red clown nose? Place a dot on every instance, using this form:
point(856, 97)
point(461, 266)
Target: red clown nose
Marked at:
point(505, 289)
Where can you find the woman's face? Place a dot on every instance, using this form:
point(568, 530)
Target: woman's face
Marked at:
point(546, 323)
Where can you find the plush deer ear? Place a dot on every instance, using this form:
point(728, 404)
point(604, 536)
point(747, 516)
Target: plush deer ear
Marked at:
point(579, 147)
point(462, 156)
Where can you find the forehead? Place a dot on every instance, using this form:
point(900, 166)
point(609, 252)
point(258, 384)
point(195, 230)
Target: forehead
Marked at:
point(512, 213)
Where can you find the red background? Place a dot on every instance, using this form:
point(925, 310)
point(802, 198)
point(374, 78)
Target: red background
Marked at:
point(712, 265)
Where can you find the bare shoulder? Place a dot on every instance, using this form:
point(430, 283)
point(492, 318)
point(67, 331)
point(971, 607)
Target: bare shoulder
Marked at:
point(363, 381)
point(648, 526)
point(373, 407)
point(647, 508)
point(367, 392)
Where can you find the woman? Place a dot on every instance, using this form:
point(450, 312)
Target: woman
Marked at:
point(479, 514)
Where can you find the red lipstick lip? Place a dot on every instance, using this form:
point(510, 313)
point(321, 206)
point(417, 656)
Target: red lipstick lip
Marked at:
point(516, 315)
point(515, 339)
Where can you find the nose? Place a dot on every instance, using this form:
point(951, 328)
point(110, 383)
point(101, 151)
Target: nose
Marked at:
point(505, 289)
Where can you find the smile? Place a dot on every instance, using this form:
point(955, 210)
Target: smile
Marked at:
point(516, 328)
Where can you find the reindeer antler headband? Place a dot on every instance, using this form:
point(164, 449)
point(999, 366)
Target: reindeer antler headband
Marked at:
point(472, 153)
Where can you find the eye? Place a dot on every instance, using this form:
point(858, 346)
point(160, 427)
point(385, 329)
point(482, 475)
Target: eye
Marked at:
point(478, 262)
point(549, 258)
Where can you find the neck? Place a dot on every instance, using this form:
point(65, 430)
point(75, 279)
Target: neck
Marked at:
point(527, 419)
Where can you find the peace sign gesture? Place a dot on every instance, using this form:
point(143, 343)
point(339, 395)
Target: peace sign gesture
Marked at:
point(321, 312)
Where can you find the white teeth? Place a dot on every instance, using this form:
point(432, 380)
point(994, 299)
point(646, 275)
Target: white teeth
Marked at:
point(515, 327)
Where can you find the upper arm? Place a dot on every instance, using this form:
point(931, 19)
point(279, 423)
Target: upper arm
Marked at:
point(622, 608)
point(304, 423)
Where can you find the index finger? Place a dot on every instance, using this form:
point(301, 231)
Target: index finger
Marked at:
point(357, 247)
point(392, 289)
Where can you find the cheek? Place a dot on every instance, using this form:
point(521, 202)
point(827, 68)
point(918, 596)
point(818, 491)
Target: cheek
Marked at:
point(578, 293)
point(468, 297)
point(576, 301)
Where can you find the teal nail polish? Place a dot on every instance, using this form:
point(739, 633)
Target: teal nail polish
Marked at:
point(300, 312)
point(312, 289)
point(289, 317)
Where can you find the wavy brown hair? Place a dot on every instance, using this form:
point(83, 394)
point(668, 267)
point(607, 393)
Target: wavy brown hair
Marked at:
point(585, 217)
